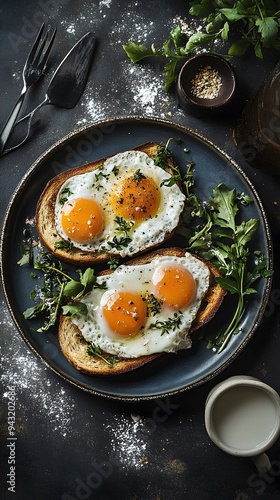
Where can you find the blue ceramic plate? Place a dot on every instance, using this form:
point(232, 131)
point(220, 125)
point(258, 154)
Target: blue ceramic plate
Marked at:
point(169, 374)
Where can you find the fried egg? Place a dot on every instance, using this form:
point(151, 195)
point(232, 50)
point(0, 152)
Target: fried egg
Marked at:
point(146, 308)
point(123, 207)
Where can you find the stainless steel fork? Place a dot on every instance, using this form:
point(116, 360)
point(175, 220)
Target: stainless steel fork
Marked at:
point(34, 67)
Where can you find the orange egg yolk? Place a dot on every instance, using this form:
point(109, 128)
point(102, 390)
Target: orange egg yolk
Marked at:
point(82, 220)
point(174, 285)
point(135, 199)
point(125, 313)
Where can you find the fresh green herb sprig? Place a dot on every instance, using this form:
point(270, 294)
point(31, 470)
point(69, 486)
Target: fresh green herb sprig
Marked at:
point(169, 324)
point(219, 237)
point(122, 225)
point(113, 263)
point(57, 290)
point(96, 351)
point(64, 195)
point(66, 245)
point(256, 24)
point(162, 160)
point(99, 177)
point(138, 176)
point(154, 305)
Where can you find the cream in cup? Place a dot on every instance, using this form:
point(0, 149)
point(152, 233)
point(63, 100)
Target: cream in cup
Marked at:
point(242, 417)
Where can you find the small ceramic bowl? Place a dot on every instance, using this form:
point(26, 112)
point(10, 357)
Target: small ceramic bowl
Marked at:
point(206, 82)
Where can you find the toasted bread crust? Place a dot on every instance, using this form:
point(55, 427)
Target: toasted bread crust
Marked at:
point(45, 210)
point(74, 347)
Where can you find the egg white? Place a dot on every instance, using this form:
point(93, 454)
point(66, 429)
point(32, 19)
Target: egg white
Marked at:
point(99, 184)
point(94, 328)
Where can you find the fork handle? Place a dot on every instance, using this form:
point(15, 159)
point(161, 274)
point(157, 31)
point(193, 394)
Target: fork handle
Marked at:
point(11, 121)
point(27, 118)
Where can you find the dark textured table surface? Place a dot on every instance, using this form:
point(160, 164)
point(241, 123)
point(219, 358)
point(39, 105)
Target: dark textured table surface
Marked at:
point(71, 444)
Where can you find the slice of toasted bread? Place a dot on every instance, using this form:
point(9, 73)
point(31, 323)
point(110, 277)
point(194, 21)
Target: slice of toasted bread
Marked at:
point(74, 347)
point(45, 214)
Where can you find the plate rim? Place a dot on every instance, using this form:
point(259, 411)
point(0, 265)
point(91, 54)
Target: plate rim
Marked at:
point(268, 239)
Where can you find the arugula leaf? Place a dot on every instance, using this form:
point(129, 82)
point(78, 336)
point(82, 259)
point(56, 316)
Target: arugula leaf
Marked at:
point(220, 237)
point(224, 203)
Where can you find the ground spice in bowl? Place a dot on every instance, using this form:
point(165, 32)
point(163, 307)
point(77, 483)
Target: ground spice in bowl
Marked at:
point(206, 82)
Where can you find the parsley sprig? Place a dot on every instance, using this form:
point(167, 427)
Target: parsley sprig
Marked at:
point(252, 23)
point(220, 238)
point(257, 22)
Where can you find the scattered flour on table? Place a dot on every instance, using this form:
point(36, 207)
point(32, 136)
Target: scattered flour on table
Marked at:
point(144, 94)
point(105, 3)
point(146, 87)
point(131, 26)
point(21, 370)
point(127, 445)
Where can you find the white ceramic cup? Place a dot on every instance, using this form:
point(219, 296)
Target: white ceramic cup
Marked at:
point(242, 417)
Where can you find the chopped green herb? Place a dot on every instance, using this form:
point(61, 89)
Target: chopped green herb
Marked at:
point(113, 263)
point(138, 175)
point(115, 170)
point(169, 324)
point(96, 351)
point(66, 245)
point(171, 181)
point(154, 305)
point(26, 249)
point(64, 195)
point(123, 226)
point(162, 160)
point(99, 177)
point(119, 243)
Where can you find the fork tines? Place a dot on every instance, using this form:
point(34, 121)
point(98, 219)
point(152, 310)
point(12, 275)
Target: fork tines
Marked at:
point(37, 56)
